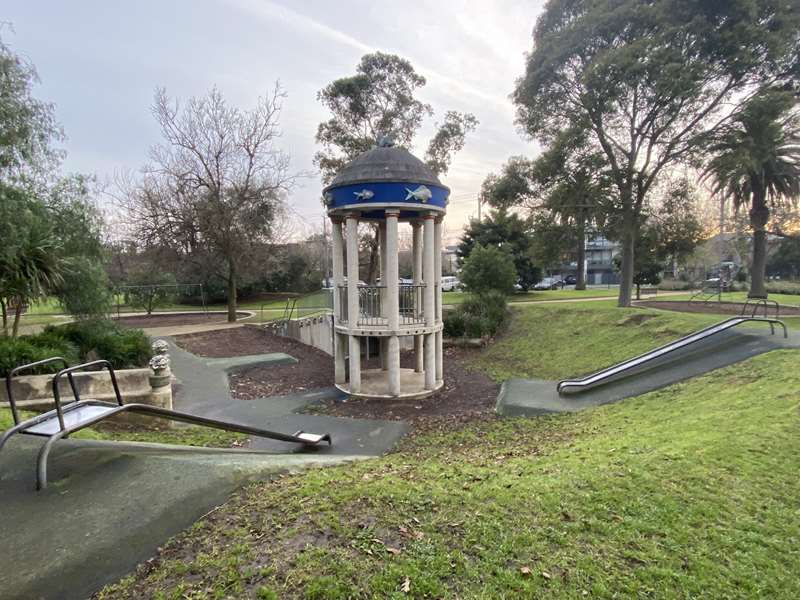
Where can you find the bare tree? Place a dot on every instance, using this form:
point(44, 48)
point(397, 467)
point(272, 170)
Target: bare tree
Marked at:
point(216, 182)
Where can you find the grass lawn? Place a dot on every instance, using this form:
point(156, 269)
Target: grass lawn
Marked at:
point(569, 294)
point(690, 491)
point(185, 436)
point(787, 299)
point(550, 341)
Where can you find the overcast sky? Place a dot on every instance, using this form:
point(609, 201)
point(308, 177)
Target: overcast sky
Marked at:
point(100, 61)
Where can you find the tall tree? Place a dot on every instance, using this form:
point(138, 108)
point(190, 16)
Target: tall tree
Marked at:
point(27, 125)
point(756, 163)
point(216, 181)
point(565, 189)
point(380, 100)
point(650, 80)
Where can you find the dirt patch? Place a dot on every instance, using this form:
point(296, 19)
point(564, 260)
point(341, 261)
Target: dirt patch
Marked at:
point(466, 396)
point(169, 320)
point(716, 308)
point(313, 370)
point(636, 319)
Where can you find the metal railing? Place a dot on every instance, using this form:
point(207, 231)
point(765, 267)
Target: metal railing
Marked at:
point(371, 305)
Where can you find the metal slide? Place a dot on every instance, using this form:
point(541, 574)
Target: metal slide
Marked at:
point(77, 414)
point(618, 371)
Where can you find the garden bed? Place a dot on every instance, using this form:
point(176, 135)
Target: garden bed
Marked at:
point(714, 307)
point(467, 395)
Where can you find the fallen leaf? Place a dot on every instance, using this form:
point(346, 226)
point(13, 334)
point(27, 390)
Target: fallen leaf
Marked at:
point(546, 575)
point(526, 571)
point(393, 550)
point(406, 587)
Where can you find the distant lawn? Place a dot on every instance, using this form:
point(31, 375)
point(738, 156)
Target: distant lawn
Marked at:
point(550, 341)
point(687, 492)
point(788, 299)
point(185, 436)
point(533, 296)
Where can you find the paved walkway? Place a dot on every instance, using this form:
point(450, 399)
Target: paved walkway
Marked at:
point(528, 397)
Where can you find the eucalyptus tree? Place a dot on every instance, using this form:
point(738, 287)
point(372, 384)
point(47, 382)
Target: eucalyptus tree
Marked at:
point(650, 80)
point(756, 163)
point(380, 100)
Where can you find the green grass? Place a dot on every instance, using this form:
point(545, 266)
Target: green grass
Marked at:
point(784, 299)
point(550, 341)
point(686, 492)
point(184, 436)
point(571, 294)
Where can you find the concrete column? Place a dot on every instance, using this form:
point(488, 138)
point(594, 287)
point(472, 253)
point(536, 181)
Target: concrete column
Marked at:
point(428, 263)
point(352, 301)
point(392, 301)
point(339, 349)
point(437, 274)
point(416, 254)
point(382, 341)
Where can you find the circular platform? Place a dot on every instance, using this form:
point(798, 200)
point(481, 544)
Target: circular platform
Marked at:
point(375, 384)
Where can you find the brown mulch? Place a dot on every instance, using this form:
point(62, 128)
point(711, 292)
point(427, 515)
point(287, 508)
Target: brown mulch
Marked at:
point(466, 396)
point(717, 308)
point(168, 320)
point(313, 370)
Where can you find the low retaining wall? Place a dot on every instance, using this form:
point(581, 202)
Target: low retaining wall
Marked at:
point(152, 386)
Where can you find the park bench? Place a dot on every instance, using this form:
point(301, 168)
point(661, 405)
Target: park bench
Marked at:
point(69, 417)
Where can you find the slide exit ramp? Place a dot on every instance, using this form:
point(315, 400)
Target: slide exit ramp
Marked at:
point(625, 368)
point(73, 416)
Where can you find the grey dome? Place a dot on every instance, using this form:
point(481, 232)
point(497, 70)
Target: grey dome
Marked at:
point(384, 164)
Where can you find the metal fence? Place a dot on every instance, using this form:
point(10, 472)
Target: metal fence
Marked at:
point(371, 305)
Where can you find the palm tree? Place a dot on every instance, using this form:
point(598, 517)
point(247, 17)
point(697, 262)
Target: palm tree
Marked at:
point(756, 163)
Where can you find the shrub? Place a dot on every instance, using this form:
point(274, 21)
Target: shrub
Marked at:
point(27, 349)
point(124, 348)
point(477, 316)
point(783, 287)
point(488, 268)
point(454, 324)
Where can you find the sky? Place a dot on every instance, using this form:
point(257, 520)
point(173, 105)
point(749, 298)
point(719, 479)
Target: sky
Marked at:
point(101, 60)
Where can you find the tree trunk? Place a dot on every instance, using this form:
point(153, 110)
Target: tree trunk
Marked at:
point(231, 292)
point(5, 316)
point(580, 276)
point(626, 270)
point(759, 215)
point(17, 316)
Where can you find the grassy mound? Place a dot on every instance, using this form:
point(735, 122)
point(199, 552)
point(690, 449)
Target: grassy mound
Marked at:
point(688, 491)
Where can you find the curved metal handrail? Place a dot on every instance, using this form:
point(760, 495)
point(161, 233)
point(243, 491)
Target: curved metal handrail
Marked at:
point(602, 376)
point(16, 370)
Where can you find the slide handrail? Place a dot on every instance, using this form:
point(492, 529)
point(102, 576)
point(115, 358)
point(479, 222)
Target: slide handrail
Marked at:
point(603, 375)
point(17, 370)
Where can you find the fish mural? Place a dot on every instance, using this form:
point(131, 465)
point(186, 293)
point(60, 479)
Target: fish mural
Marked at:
point(364, 194)
point(422, 194)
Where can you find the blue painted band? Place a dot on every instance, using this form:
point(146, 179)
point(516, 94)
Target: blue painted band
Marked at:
point(383, 193)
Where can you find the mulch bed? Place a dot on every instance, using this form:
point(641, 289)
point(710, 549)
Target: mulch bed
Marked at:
point(168, 320)
point(466, 396)
point(714, 307)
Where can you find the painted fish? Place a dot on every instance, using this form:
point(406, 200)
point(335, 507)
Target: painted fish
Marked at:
point(422, 193)
point(364, 194)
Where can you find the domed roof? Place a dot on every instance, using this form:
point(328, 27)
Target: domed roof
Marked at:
point(385, 163)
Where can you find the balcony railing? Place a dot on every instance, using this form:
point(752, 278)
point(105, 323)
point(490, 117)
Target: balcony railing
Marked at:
point(372, 305)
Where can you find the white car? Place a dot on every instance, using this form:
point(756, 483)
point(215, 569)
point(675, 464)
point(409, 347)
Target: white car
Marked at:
point(549, 283)
point(450, 284)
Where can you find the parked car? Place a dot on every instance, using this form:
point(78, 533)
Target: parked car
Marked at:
point(450, 284)
point(570, 280)
point(549, 283)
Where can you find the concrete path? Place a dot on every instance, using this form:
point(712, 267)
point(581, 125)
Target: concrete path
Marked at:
point(203, 389)
point(527, 397)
